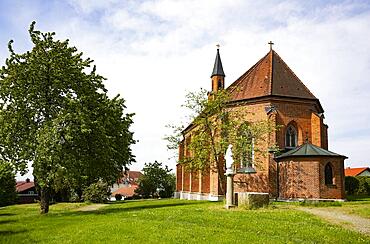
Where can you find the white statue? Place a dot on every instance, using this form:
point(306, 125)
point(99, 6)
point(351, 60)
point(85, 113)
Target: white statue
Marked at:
point(229, 157)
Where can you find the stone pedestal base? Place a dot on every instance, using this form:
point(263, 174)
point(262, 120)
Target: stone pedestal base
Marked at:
point(251, 200)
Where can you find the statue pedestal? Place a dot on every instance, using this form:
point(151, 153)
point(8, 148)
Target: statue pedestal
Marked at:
point(230, 189)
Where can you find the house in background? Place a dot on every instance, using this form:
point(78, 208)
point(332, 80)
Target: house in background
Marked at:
point(127, 185)
point(26, 191)
point(364, 171)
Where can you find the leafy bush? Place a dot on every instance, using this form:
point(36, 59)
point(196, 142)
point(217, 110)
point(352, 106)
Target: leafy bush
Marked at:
point(96, 192)
point(118, 197)
point(364, 185)
point(157, 181)
point(8, 194)
point(351, 185)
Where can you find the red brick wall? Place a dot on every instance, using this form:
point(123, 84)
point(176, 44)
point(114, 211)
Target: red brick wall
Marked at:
point(305, 178)
point(251, 182)
point(205, 182)
point(299, 179)
point(178, 177)
point(335, 191)
point(186, 182)
point(194, 181)
point(308, 125)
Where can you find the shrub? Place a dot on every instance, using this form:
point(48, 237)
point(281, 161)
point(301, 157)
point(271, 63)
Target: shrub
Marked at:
point(157, 181)
point(8, 193)
point(118, 197)
point(96, 192)
point(364, 185)
point(351, 184)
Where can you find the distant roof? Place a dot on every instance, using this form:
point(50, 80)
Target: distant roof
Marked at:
point(354, 171)
point(217, 68)
point(134, 174)
point(127, 191)
point(269, 76)
point(308, 150)
point(24, 185)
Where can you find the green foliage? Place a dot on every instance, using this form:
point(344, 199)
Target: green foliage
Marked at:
point(8, 194)
point(313, 203)
point(351, 184)
point(215, 124)
point(157, 181)
point(55, 112)
point(96, 192)
point(364, 185)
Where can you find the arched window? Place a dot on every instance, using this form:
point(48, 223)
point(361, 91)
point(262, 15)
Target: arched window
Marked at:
point(291, 137)
point(328, 174)
point(245, 145)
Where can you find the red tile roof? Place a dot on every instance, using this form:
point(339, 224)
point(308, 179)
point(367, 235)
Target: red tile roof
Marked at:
point(354, 171)
point(127, 191)
point(269, 76)
point(24, 185)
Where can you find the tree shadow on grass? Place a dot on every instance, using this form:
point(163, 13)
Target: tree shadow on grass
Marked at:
point(155, 204)
point(7, 221)
point(7, 214)
point(11, 232)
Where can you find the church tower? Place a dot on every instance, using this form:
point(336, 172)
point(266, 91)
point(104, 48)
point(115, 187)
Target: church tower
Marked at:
point(218, 75)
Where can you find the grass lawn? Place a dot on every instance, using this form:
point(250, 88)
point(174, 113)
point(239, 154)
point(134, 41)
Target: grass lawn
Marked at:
point(168, 221)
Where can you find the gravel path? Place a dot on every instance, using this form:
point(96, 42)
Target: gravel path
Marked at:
point(91, 207)
point(335, 216)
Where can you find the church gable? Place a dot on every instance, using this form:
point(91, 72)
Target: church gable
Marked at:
point(269, 76)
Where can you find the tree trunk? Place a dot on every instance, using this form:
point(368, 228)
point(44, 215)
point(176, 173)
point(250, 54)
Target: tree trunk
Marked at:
point(44, 200)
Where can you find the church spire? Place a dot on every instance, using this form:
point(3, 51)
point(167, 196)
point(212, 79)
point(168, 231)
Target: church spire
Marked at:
point(217, 68)
point(218, 75)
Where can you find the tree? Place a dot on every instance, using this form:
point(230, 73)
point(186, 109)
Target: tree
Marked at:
point(8, 193)
point(96, 192)
point(215, 124)
point(55, 113)
point(156, 181)
point(351, 184)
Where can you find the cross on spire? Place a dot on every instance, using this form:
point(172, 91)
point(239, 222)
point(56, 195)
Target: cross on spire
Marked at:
point(218, 46)
point(271, 43)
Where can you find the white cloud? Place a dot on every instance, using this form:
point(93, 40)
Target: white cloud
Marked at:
point(153, 51)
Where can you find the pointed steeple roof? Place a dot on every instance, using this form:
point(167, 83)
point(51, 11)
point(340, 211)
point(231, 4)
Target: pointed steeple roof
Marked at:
point(269, 76)
point(217, 68)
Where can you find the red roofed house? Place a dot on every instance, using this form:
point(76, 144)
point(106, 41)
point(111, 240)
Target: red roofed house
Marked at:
point(26, 191)
point(270, 91)
point(364, 171)
point(126, 185)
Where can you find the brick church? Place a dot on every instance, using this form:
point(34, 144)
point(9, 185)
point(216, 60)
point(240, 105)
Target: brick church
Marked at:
point(305, 169)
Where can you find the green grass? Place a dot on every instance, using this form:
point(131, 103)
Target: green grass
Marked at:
point(167, 221)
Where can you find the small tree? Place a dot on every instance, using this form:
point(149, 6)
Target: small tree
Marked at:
point(215, 124)
point(156, 181)
point(96, 193)
point(351, 184)
point(8, 194)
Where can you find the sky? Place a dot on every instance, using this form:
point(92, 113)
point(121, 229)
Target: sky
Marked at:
point(154, 52)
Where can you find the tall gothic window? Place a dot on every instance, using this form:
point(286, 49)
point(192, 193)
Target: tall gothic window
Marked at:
point(328, 174)
point(245, 145)
point(291, 137)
